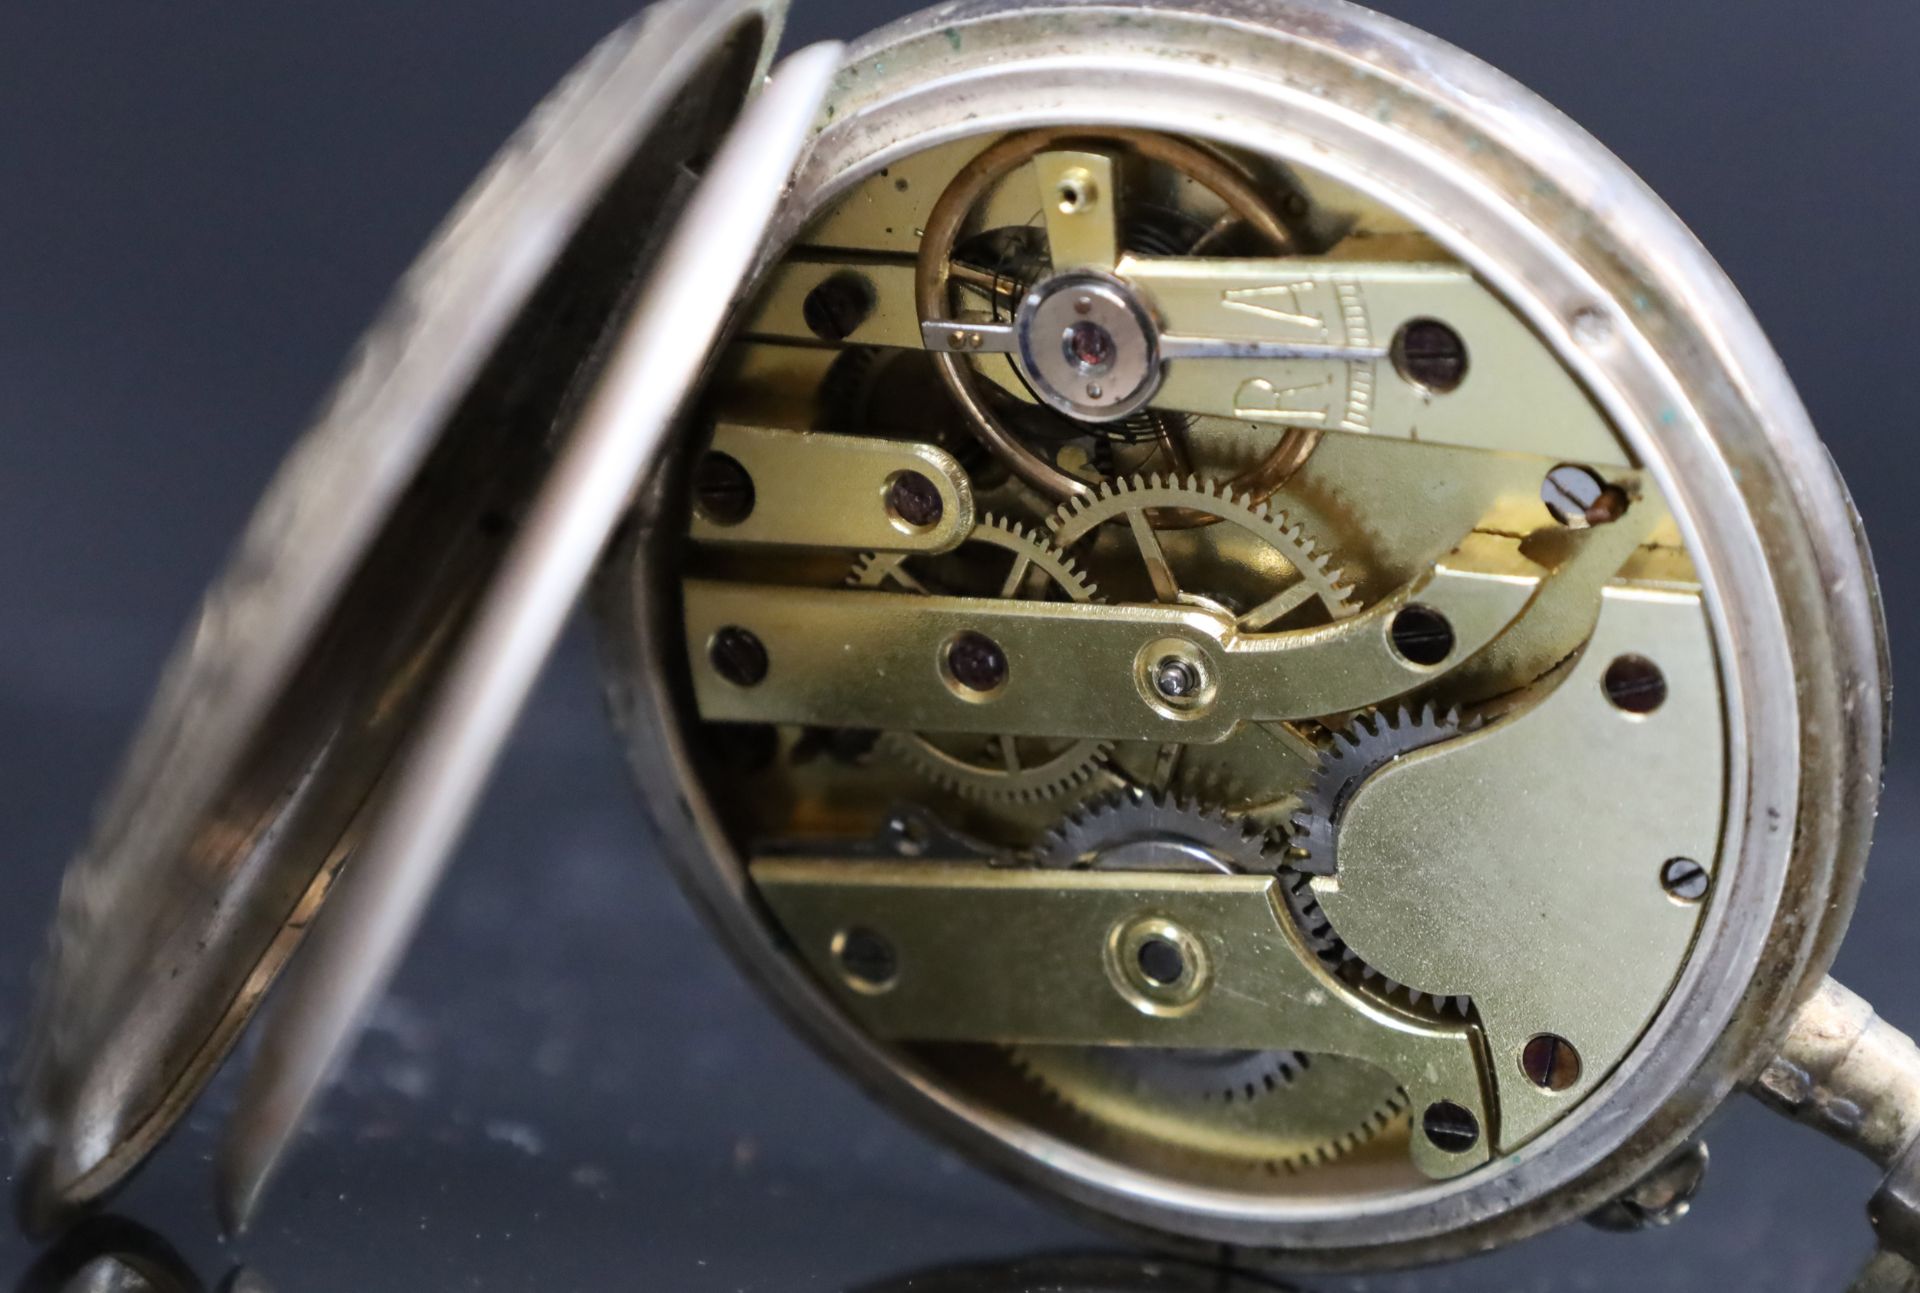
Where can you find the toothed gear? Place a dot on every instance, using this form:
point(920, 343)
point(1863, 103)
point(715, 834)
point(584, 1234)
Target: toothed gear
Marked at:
point(1154, 831)
point(1320, 1110)
point(1319, 579)
point(1000, 776)
point(1227, 1091)
point(1369, 743)
point(1220, 1075)
point(1008, 781)
point(1031, 551)
point(1257, 774)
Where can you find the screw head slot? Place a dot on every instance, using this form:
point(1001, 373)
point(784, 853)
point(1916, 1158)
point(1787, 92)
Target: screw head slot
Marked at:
point(1635, 685)
point(737, 655)
point(866, 959)
point(1578, 498)
point(1685, 880)
point(1430, 355)
point(722, 489)
point(1450, 1127)
point(838, 305)
point(1550, 1062)
point(1421, 636)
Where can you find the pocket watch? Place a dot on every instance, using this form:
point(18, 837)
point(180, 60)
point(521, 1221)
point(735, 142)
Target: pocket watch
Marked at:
point(1217, 604)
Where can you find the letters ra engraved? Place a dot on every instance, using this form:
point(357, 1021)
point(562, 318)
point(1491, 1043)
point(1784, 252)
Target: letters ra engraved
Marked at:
point(1330, 310)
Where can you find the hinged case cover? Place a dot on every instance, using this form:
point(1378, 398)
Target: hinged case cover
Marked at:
point(282, 717)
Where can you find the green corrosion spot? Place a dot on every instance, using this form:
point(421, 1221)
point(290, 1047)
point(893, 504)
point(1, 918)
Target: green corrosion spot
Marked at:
point(1669, 415)
point(953, 37)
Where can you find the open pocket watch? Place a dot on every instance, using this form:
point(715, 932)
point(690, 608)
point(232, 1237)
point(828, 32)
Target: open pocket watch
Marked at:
point(1221, 607)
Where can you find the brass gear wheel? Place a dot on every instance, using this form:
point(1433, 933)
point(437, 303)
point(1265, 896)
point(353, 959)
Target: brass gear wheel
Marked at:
point(1309, 1111)
point(936, 271)
point(1368, 743)
point(1259, 774)
point(1262, 769)
point(1276, 1111)
point(1010, 781)
point(1002, 769)
point(1139, 500)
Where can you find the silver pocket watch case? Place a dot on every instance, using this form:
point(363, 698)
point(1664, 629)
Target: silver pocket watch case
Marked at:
point(1217, 604)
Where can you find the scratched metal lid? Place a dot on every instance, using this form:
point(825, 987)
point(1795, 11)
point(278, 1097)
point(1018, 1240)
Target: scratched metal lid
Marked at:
point(280, 718)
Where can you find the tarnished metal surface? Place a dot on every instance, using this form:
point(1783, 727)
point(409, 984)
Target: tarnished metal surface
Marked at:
point(651, 369)
point(1895, 1206)
point(1849, 1074)
point(1258, 401)
point(287, 700)
point(1660, 1199)
point(1846, 1072)
point(1596, 273)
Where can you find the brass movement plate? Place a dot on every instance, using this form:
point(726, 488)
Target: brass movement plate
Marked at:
point(1345, 665)
point(972, 941)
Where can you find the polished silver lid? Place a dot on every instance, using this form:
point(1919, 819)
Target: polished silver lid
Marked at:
point(287, 712)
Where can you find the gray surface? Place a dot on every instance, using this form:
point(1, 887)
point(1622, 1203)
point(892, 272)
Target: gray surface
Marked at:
point(199, 209)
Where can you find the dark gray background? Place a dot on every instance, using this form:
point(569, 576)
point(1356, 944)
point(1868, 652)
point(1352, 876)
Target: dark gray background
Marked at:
point(201, 205)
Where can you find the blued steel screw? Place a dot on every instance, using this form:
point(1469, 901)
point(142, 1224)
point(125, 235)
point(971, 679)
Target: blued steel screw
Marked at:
point(1450, 1127)
point(1684, 879)
point(1422, 635)
point(1550, 1062)
point(976, 662)
point(837, 306)
point(1175, 678)
point(1429, 353)
point(1577, 495)
point(914, 499)
point(738, 656)
point(1635, 684)
point(722, 489)
point(868, 957)
point(1569, 490)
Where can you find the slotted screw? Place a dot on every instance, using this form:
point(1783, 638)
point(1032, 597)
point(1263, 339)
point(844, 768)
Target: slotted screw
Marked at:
point(915, 500)
point(1684, 879)
point(1450, 1127)
point(738, 656)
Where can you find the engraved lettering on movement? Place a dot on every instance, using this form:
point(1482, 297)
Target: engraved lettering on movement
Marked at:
point(1344, 396)
point(1288, 303)
point(1259, 400)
